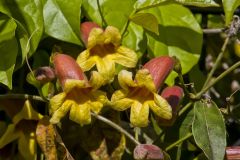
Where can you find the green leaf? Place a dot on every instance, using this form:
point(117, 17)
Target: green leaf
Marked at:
point(229, 7)
point(8, 49)
point(62, 20)
point(179, 35)
point(115, 12)
point(209, 130)
point(29, 19)
point(147, 21)
point(197, 3)
point(144, 4)
point(135, 39)
point(141, 4)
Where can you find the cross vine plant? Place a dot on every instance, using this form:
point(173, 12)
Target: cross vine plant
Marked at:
point(119, 79)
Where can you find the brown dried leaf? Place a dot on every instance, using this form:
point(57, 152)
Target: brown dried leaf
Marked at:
point(45, 135)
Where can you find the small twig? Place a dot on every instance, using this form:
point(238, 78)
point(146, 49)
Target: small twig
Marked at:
point(116, 126)
point(178, 142)
point(233, 67)
point(213, 31)
point(219, 58)
point(185, 108)
point(125, 28)
point(22, 96)
point(101, 14)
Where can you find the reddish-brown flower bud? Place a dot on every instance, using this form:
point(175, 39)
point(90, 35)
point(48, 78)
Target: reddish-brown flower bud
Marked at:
point(44, 74)
point(85, 30)
point(159, 68)
point(233, 153)
point(148, 151)
point(173, 95)
point(67, 68)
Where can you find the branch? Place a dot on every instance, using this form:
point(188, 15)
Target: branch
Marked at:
point(22, 96)
point(178, 141)
point(116, 126)
point(219, 58)
point(229, 70)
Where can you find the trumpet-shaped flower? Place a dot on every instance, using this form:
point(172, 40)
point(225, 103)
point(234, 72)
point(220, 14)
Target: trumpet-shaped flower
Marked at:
point(140, 94)
point(23, 130)
point(79, 96)
point(104, 50)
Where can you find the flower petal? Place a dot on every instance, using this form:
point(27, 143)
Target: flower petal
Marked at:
point(85, 61)
point(80, 114)
point(95, 36)
point(122, 104)
point(161, 107)
point(125, 79)
point(10, 135)
point(61, 112)
point(73, 83)
point(125, 57)
point(96, 80)
point(139, 114)
point(119, 94)
point(106, 68)
point(56, 101)
point(96, 107)
point(112, 35)
point(144, 78)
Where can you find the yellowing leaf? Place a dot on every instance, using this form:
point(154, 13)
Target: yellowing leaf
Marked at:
point(147, 21)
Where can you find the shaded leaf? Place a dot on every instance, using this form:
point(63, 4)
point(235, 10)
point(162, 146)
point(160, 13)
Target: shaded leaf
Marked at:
point(179, 35)
point(147, 21)
point(45, 135)
point(8, 50)
point(229, 7)
point(209, 130)
point(62, 20)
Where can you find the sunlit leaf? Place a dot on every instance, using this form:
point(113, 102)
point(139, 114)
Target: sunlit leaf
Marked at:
point(115, 12)
point(62, 20)
point(8, 49)
point(141, 4)
point(29, 18)
point(147, 21)
point(135, 39)
point(179, 35)
point(229, 7)
point(209, 130)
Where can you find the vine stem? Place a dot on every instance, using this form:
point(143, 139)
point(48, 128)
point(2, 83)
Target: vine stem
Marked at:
point(101, 14)
point(229, 70)
point(22, 96)
point(178, 142)
point(219, 58)
point(185, 108)
point(116, 126)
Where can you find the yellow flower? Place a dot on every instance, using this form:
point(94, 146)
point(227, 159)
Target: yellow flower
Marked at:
point(104, 50)
point(139, 94)
point(78, 98)
point(23, 129)
point(79, 95)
